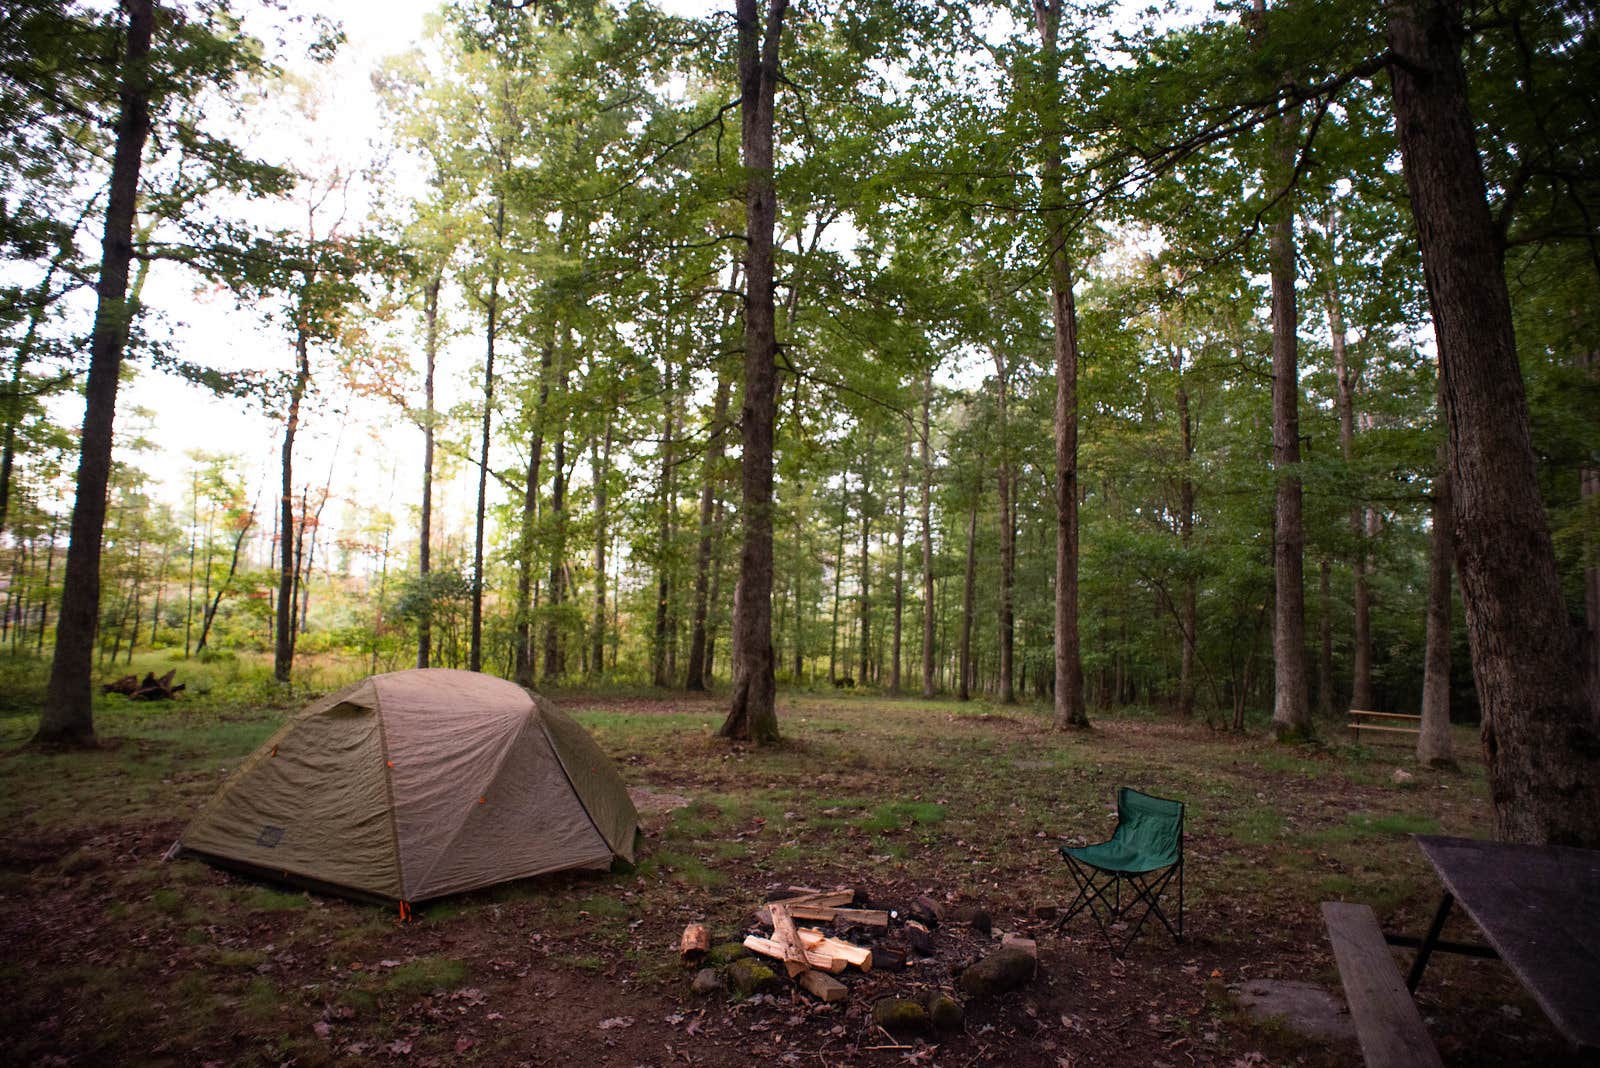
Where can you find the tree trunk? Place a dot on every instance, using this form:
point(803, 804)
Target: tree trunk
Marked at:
point(1008, 550)
point(491, 323)
point(1188, 612)
point(600, 464)
point(68, 715)
point(1325, 639)
point(1588, 499)
point(1291, 707)
point(900, 564)
point(1541, 742)
point(210, 609)
point(968, 599)
point(1361, 670)
point(558, 510)
point(710, 480)
point(663, 676)
point(430, 353)
point(865, 673)
point(753, 713)
point(928, 606)
point(838, 575)
point(1069, 708)
point(1433, 740)
point(288, 557)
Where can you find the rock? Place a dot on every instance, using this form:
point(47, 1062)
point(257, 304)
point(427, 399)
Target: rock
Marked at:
point(919, 939)
point(861, 900)
point(1001, 971)
point(726, 953)
point(750, 976)
point(900, 1015)
point(1402, 777)
point(707, 981)
point(945, 1012)
point(1012, 940)
point(889, 959)
point(973, 917)
point(1046, 912)
point(926, 911)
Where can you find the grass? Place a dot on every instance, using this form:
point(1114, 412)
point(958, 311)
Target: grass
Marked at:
point(893, 795)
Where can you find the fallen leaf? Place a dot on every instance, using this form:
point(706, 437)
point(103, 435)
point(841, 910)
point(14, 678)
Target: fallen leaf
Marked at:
point(613, 1022)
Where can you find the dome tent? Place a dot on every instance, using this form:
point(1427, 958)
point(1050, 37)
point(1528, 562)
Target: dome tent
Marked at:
point(417, 784)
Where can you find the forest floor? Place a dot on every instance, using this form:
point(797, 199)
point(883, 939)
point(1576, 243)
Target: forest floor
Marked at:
point(108, 955)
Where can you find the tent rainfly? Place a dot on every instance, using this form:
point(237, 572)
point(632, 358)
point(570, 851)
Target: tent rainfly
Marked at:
point(417, 784)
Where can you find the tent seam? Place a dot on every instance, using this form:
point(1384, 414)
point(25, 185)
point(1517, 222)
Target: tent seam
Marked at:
point(388, 787)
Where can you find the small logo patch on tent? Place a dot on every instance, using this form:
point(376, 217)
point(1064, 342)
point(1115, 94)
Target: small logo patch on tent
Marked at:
point(270, 836)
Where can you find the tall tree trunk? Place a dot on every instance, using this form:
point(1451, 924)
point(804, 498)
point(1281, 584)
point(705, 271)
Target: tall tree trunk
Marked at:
point(1541, 741)
point(522, 667)
point(68, 716)
point(210, 608)
point(900, 563)
point(288, 544)
point(968, 599)
point(1188, 612)
point(1008, 549)
point(753, 713)
point(710, 480)
point(558, 510)
point(430, 354)
point(600, 464)
point(1325, 639)
point(1433, 740)
point(1361, 669)
point(1291, 706)
point(928, 606)
point(838, 574)
point(866, 566)
point(491, 323)
point(1589, 499)
point(1069, 707)
point(664, 591)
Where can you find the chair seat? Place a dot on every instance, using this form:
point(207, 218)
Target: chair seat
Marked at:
point(1121, 857)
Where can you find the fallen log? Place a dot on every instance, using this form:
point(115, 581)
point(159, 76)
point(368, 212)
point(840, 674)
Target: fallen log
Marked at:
point(864, 917)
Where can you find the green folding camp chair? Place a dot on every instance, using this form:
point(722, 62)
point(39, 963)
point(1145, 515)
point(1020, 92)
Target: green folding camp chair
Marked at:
point(1146, 852)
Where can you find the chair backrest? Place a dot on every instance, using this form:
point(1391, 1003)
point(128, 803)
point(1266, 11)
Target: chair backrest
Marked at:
point(1153, 826)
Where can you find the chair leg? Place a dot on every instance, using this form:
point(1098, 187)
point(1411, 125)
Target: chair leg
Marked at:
point(1092, 896)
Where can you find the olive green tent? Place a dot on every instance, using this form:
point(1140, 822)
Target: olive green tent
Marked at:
point(415, 784)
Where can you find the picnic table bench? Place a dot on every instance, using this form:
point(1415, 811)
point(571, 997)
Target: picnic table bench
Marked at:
point(1383, 723)
point(1388, 1025)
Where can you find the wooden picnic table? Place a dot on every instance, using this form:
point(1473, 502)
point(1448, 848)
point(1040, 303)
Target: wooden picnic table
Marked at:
point(1539, 909)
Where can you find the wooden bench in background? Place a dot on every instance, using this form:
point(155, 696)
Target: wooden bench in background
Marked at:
point(1385, 723)
point(1388, 1025)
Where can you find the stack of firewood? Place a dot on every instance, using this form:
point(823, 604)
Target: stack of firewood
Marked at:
point(810, 957)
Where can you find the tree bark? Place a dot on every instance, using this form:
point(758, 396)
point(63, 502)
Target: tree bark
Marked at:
point(866, 564)
point(1069, 707)
point(663, 676)
point(522, 667)
point(558, 511)
point(1291, 707)
point(491, 322)
point(1188, 611)
point(1540, 737)
point(1588, 499)
point(430, 354)
point(1361, 669)
point(968, 599)
point(68, 715)
point(601, 466)
point(1006, 613)
point(899, 564)
point(838, 576)
point(288, 543)
point(711, 478)
point(1433, 740)
point(928, 606)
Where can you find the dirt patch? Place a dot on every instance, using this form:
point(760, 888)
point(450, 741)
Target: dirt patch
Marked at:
point(653, 802)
